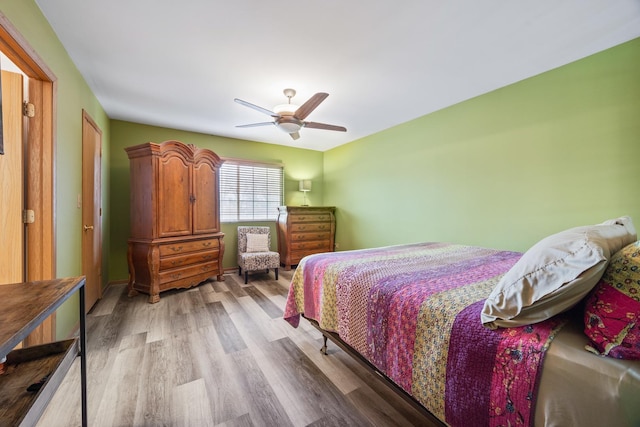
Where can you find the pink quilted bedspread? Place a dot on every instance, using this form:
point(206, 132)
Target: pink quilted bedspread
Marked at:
point(414, 312)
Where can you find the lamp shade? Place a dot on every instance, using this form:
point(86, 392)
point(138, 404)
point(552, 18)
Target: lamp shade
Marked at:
point(305, 185)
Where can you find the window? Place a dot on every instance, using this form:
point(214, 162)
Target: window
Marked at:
point(250, 191)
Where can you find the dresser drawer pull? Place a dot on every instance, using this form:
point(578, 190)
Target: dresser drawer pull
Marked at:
point(206, 244)
point(207, 257)
point(176, 262)
point(176, 248)
point(176, 276)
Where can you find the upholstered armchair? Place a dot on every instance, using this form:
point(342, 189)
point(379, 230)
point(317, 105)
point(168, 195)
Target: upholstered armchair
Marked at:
point(254, 253)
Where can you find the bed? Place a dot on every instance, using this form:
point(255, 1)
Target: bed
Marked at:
point(413, 313)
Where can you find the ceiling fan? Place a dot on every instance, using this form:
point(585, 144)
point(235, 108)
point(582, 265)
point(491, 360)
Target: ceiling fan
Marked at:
point(289, 117)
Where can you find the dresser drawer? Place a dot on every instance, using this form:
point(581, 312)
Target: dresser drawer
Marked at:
point(296, 256)
point(313, 226)
point(310, 217)
point(303, 237)
point(188, 246)
point(187, 259)
point(318, 245)
point(188, 271)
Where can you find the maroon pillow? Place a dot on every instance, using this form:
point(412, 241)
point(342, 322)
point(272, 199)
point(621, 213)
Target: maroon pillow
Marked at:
point(612, 311)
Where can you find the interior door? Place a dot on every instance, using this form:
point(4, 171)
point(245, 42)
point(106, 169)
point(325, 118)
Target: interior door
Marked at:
point(91, 210)
point(11, 179)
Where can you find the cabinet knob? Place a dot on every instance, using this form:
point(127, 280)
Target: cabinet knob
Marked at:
point(88, 227)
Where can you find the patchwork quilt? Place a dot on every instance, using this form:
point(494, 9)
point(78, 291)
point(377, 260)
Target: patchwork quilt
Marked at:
point(414, 312)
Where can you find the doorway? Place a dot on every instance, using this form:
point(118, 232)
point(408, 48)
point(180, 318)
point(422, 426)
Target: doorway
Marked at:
point(38, 181)
point(91, 210)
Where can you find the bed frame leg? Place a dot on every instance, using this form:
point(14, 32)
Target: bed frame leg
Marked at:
point(323, 350)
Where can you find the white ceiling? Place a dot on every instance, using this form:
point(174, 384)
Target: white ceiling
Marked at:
point(180, 63)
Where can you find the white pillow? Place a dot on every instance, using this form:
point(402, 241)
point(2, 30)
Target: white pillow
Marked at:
point(555, 274)
point(257, 242)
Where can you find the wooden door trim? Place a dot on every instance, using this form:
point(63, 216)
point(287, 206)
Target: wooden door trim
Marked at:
point(97, 231)
point(40, 161)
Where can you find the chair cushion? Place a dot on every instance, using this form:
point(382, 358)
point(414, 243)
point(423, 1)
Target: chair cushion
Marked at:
point(257, 242)
point(252, 261)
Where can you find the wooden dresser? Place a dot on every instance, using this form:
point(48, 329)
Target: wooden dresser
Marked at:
point(175, 223)
point(304, 230)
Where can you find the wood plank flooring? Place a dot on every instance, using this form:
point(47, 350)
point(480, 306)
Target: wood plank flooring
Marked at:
point(218, 355)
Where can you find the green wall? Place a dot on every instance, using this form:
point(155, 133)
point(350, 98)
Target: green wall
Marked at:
point(501, 170)
point(299, 164)
point(72, 95)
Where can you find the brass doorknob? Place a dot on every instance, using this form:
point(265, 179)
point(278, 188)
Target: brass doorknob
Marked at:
point(88, 227)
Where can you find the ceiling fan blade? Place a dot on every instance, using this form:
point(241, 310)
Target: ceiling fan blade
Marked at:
point(315, 125)
point(257, 108)
point(306, 108)
point(295, 135)
point(253, 125)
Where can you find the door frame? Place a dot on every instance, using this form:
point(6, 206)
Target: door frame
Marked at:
point(39, 164)
point(94, 201)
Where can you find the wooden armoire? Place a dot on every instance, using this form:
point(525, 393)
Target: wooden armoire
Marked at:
point(175, 239)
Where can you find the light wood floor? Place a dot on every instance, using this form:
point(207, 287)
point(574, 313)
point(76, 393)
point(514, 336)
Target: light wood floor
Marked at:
point(218, 355)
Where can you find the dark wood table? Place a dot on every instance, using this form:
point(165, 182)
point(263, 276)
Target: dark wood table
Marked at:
point(24, 306)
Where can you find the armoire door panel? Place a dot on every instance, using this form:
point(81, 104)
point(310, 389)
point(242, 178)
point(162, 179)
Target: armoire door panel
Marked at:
point(205, 206)
point(174, 196)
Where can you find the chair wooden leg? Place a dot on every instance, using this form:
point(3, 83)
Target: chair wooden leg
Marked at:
point(276, 270)
point(246, 277)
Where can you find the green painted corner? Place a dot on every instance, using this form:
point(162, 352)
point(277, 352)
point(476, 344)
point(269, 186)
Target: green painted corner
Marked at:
point(298, 163)
point(501, 170)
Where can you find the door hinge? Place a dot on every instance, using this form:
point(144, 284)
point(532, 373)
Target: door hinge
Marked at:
point(28, 216)
point(28, 109)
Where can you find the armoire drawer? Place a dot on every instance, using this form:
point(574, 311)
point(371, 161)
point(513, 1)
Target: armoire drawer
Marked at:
point(188, 246)
point(176, 261)
point(188, 271)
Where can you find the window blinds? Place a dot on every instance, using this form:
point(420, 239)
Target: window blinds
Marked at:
point(250, 191)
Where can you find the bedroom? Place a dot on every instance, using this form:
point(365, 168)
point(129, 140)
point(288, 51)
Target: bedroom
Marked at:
point(572, 162)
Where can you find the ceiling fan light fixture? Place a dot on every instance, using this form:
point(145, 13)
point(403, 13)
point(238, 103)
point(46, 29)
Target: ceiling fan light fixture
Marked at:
point(289, 117)
point(285, 109)
point(289, 127)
